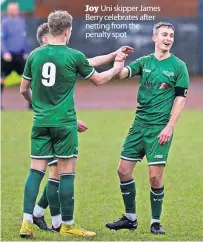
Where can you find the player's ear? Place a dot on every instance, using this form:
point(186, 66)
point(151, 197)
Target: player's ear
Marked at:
point(66, 32)
point(45, 40)
point(154, 38)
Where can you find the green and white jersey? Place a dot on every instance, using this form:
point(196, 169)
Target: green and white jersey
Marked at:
point(52, 70)
point(158, 82)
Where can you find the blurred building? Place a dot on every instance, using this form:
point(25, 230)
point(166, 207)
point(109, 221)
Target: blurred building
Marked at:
point(185, 15)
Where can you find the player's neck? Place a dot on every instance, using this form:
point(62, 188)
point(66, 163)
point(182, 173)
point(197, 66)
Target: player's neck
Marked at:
point(161, 55)
point(58, 40)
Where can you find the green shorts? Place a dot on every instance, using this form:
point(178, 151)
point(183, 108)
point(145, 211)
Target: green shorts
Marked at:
point(61, 142)
point(142, 141)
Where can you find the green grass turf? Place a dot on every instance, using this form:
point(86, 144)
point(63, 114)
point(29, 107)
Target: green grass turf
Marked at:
point(97, 195)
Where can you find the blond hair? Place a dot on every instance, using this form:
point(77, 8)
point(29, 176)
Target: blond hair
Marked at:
point(162, 24)
point(58, 21)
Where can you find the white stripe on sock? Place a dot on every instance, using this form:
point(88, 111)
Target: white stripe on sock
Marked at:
point(53, 180)
point(127, 183)
point(157, 194)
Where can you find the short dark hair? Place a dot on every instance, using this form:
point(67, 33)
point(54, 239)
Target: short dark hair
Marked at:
point(162, 24)
point(59, 21)
point(41, 31)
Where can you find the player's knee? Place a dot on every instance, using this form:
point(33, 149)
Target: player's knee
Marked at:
point(66, 165)
point(123, 172)
point(39, 165)
point(155, 180)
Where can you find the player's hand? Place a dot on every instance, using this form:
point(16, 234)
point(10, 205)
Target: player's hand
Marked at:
point(7, 57)
point(118, 65)
point(121, 56)
point(165, 135)
point(81, 126)
point(25, 56)
point(125, 50)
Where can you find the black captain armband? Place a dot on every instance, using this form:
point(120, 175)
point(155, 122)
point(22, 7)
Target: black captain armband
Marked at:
point(181, 91)
point(129, 72)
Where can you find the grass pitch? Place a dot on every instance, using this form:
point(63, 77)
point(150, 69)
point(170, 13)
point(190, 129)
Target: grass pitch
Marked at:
point(97, 195)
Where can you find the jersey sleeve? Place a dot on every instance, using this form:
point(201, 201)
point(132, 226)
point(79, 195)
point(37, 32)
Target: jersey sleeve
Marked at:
point(135, 68)
point(27, 73)
point(83, 67)
point(182, 80)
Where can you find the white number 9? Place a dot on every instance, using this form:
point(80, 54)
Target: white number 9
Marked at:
point(49, 73)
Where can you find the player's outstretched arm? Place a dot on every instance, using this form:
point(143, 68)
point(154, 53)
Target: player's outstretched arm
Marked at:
point(103, 77)
point(25, 90)
point(124, 73)
point(105, 59)
point(167, 132)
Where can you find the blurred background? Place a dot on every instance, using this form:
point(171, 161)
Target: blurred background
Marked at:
point(185, 15)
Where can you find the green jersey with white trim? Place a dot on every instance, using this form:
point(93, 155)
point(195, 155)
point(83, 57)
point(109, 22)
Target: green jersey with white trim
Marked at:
point(158, 81)
point(52, 70)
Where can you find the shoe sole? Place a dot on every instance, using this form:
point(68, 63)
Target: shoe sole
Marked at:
point(77, 235)
point(157, 233)
point(31, 235)
point(134, 228)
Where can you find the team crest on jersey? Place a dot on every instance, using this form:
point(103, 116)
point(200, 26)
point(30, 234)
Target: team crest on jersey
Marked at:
point(163, 86)
point(168, 73)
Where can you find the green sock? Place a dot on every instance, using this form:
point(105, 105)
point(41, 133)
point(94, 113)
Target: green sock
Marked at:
point(128, 191)
point(53, 196)
point(156, 197)
point(43, 202)
point(31, 190)
point(66, 195)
